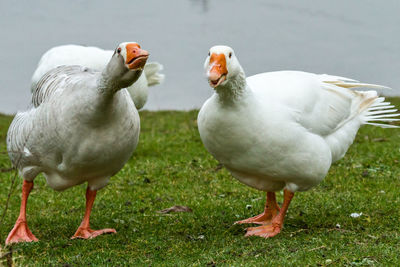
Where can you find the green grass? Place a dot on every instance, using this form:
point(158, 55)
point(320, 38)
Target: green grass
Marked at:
point(171, 167)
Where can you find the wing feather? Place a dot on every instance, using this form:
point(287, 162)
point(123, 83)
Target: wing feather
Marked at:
point(337, 104)
point(325, 105)
point(55, 80)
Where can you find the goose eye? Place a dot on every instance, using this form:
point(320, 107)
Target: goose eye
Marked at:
point(230, 54)
point(208, 53)
point(119, 50)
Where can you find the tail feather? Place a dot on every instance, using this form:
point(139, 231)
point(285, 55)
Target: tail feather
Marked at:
point(382, 125)
point(327, 77)
point(151, 71)
point(351, 84)
point(382, 107)
point(379, 113)
point(381, 117)
point(370, 108)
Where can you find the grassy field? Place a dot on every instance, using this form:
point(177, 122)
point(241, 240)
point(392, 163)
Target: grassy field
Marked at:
point(171, 167)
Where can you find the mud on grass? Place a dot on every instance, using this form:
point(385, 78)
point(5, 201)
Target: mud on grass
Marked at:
point(171, 167)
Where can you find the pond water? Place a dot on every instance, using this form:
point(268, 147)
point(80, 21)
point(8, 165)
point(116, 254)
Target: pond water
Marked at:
point(356, 39)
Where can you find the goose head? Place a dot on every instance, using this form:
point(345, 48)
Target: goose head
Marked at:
point(127, 63)
point(221, 66)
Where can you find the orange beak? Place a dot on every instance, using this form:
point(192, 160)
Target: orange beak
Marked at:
point(135, 56)
point(218, 71)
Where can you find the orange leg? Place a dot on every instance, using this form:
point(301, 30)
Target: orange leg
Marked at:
point(270, 211)
point(277, 222)
point(84, 230)
point(21, 232)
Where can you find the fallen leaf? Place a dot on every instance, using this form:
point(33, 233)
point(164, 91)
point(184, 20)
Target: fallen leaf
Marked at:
point(219, 167)
point(380, 139)
point(176, 209)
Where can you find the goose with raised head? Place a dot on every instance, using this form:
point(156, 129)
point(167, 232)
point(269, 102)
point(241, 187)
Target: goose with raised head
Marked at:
point(97, 59)
point(282, 130)
point(83, 127)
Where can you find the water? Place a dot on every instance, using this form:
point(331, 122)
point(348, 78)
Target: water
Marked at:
point(356, 39)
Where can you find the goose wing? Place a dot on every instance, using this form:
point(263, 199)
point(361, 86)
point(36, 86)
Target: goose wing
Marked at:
point(58, 79)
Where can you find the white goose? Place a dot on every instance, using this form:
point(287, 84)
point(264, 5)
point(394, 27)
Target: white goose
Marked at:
point(83, 128)
point(282, 130)
point(96, 59)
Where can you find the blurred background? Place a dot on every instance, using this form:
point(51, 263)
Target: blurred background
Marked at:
point(356, 39)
